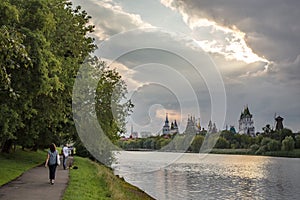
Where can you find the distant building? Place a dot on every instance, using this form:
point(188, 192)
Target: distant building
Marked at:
point(212, 128)
point(192, 126)
point(174, 127)
point(166, 127)
point(133, 134)
point(145, 134)
point(279, 124)
point(246, 124)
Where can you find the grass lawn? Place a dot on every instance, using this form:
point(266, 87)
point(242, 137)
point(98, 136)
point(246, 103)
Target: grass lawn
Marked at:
point(16, 163)
point(95, 181)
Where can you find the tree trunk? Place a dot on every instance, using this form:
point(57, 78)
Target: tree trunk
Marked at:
point(7, 146)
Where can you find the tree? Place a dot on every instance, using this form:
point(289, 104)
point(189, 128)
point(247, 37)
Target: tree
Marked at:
point(273, 145)
point(288, 144)
point(197, 143)
point(110, 92)
point(222, 143)
point(267, 130)
point(43, 44)
point(98, 111)
point(283, 133)
point(297, 143)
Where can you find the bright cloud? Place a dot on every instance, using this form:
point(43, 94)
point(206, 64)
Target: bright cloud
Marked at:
point(109, 18)
point(231, 44)
point(254, 44)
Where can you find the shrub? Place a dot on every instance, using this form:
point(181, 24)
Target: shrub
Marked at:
point(261, 150)
point(288, 144)
point(297, 144)
point(222, 143)
point(273, 145)
point(254, 147)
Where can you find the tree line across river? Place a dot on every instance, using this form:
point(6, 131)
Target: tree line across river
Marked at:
point(284, 140)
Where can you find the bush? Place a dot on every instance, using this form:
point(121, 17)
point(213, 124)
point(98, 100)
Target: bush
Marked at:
point(265, 141)
point(254, 147)
point(288, 144)
point(262, 150)
point(197, 143)
point(222, 143)
point(273, 145)
point(297, 144)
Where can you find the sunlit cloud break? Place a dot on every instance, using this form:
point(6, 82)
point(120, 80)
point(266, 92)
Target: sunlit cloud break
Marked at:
point(227, 41)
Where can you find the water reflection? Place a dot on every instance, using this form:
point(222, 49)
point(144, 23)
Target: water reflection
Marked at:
point(213, 176)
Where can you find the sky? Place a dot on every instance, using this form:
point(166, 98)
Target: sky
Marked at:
point(202, 58)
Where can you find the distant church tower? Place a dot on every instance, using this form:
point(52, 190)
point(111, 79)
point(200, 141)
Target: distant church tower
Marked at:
point(279, 124)
point(174, 127)
point(166, 127)
point(192, 126)
point(246, 123)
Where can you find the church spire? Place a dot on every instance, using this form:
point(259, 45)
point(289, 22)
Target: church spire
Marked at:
point(167, 120)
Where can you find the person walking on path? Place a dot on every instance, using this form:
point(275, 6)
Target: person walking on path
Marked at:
point(65, 151)
point(51, 162)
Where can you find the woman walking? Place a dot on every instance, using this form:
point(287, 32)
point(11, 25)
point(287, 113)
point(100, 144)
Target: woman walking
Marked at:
point(51, 162)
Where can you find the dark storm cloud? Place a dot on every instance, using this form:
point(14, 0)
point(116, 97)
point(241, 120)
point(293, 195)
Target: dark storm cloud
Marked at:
point(272, 26)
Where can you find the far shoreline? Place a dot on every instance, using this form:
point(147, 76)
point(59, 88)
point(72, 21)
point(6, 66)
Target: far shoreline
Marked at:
point(286, 154)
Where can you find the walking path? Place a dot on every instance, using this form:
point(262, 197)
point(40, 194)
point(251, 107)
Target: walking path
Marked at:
point(34, 185)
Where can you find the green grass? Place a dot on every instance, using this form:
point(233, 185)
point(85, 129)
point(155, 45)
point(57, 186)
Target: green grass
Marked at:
point(95, 181)
point(16, 163)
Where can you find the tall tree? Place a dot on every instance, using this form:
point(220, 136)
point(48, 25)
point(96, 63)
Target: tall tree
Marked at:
point(42, 47)
point(99, 108)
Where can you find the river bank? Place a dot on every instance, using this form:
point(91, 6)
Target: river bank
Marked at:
point(90, 181)
point(289, 154)
point(95, 181)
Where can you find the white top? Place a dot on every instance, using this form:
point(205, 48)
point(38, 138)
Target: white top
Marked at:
point(66, 151)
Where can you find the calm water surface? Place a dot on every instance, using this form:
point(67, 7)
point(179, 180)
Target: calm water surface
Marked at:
point(199, 176)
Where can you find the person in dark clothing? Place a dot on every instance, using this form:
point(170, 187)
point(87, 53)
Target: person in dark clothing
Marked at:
point(51, 162)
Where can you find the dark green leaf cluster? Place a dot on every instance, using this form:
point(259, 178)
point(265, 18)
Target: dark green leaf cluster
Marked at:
point(42, 45)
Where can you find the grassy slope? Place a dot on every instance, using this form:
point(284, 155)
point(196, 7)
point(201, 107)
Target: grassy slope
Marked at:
point(95, 181)
point(14, 164)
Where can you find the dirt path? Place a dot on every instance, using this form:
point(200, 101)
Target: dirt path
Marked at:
point(34, 185)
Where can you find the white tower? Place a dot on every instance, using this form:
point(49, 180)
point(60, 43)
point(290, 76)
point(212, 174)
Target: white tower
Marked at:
point(246, 124)
point(166, 127)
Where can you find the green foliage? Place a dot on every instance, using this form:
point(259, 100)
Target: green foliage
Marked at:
point(297, 142)
point(98, 111)
point(262, 150)
point(273, 145)
point(285, 133)
point(288, 144)
point(254, 147)
point(222, 143)
point(110, 92)
point(197, 143)
point(265, 141)
point(42, 44)
point(268, 144)
point(95, 181)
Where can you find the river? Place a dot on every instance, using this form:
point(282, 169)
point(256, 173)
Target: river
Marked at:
point(210, 176)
